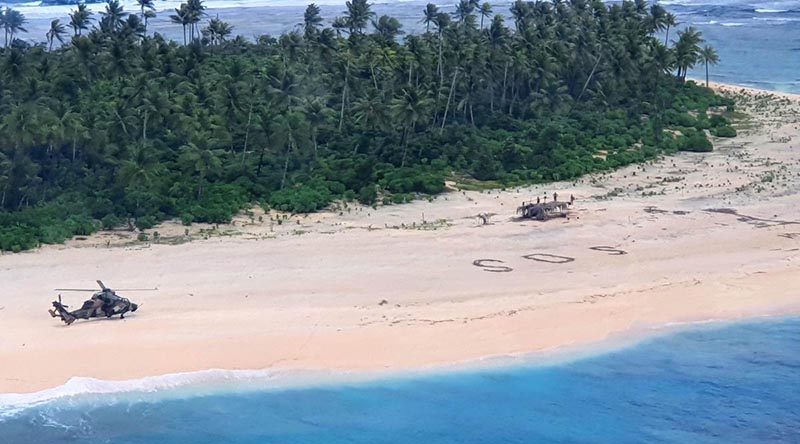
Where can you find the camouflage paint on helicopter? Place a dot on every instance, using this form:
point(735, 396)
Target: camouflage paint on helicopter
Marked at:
point(105, 302)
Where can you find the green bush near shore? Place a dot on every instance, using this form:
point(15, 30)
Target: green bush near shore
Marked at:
point(696, 142)
point(724, 131)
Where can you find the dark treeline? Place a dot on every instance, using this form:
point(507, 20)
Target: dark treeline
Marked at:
point(117, 127)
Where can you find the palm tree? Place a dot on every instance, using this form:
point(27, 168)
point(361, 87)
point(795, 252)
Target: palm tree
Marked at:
point(5, 173)
point(112, 17)
point(57, 32)
point(410, 108)
point(662, 59)
point(387, 28)
point(709, 57)
point(485, 10)
point(687, 50)
point(196, 11)
point(430, 14)
point(416, 58)
point(217, 31)
point(442, 22)
point(345, 62)
point(357, 16)
point(669, 20)
point(202, 163)
point(370, 111)
point(521, 11)
point(311, 21)
point(12, 22)
point(146, 4)
point(140, 171)
point(288, 129)
point(182, 17)
point(74, 129)
point(316, 113)
point(147, 16)
point(658, 17)
point(640, 6)
point(134, 26)
point(339, 25)
point(19, 124)
point(150, 13)
point(79, 19)
point(464, 9)
point(496, 36)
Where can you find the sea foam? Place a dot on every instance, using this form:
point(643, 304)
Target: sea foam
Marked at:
point(771, 11)
point(187, 383)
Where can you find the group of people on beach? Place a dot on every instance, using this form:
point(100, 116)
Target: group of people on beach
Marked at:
point(555, 198)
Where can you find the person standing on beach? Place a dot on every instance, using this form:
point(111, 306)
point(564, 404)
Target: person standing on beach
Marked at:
point(555, 197)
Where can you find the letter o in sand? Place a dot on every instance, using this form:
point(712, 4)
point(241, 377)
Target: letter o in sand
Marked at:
point(549, 258)
point(492, 268)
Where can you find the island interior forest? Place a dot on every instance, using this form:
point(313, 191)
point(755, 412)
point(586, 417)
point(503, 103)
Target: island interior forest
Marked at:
point(104, 125)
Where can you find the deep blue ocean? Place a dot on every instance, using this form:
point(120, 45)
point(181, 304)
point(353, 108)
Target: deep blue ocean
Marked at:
point(716, 383)
point(758, 40)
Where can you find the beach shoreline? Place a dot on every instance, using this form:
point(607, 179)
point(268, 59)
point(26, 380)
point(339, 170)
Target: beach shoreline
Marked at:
point(210, 382)
point(690, 238)
point(733, 89)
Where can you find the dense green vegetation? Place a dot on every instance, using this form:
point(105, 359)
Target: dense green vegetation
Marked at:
point(118, 127)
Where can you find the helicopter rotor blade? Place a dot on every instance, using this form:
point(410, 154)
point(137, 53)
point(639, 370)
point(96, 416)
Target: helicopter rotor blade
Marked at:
point(100, 283)
point(137, 289)
point(73, 289)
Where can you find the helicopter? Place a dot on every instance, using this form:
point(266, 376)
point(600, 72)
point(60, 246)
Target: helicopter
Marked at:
point(105, 302)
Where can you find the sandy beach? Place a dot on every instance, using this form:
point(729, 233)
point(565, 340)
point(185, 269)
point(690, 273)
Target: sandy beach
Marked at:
point(687, 238)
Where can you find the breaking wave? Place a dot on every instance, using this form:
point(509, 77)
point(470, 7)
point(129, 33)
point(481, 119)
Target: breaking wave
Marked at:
point(82, 389)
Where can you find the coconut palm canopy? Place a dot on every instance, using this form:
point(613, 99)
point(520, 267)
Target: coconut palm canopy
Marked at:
point(117, 125)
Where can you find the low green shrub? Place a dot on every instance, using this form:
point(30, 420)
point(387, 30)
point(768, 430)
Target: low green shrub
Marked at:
point(724, 131)
point(697, 143)
point(110, 221)
point(301, 199)
point(145, 222)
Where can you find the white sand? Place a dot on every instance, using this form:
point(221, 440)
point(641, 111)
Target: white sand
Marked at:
point(308, 295)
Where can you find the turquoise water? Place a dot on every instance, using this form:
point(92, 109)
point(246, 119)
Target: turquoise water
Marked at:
point(758, 41)
point(738, 383)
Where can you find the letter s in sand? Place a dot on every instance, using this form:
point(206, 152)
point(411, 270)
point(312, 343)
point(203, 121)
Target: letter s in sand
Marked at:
point(610, 250)
point(492, 268)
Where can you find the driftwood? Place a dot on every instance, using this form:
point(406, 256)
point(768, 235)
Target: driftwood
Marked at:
point(483, 218)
